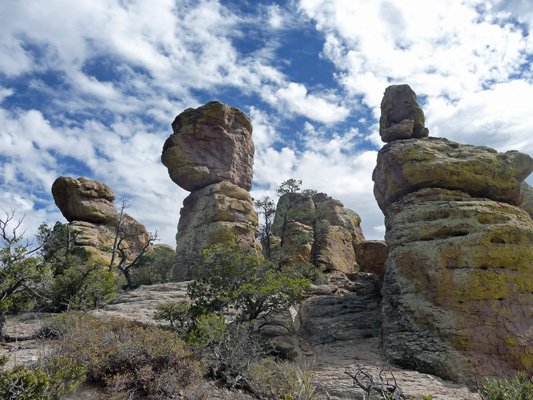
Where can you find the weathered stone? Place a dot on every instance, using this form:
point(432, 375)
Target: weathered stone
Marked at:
point(84, 200)
point(458, 293)
point(334, 212)
point(408, 165)
point(335, 250)
point(527, 198)
point(210, 144)
point(88, 206)
point(219, 213)
point(317, 229)
point(401, 116)
point(371, 256)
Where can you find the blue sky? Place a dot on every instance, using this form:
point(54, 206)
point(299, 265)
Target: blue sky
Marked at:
point(90, 87)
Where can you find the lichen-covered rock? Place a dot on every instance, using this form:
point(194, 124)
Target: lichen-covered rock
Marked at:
point(89, 207)
point(371, 256)
point(84, 200)
point(210, 144)
point(527, 198)
point(405, 166)
point(219, 213)
point(317, 229)
point(335, 250)
point(401, 116)
point(458, 293)
point(334, 212)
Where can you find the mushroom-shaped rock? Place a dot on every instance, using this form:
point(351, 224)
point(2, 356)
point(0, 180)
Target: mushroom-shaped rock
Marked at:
point(210, 144)
point(84, 200)
point(401, 116)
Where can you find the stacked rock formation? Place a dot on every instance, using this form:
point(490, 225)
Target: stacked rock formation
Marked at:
point(458, 291)
point(93, 218)
point(211, 154)
point(320, 229)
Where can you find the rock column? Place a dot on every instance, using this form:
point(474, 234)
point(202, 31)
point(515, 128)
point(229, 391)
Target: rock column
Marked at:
point(458, 290)
point(211, 154)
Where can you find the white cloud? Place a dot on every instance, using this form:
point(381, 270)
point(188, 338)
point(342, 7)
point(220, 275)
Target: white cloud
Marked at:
point(295, 97)
point(499, 117)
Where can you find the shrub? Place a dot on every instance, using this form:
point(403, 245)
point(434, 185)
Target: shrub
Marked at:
point(129, 357)
point(176, 312)
point(80, 285)
point(56, 376)
point(251, 286)
point(519, 387)
point(154, 267)
point(273, 379)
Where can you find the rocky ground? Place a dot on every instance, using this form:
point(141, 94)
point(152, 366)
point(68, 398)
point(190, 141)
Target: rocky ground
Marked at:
point(338, 332)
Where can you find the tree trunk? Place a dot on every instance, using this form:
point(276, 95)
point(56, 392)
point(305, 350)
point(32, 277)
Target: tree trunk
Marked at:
point(2, 325)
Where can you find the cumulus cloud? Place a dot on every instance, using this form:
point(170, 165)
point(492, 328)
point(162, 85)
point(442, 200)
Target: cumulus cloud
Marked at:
point(296, 98)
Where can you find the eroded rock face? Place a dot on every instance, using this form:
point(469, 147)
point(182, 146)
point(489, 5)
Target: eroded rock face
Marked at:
point(218, 213)
point(459, 284)
point(210, 144)
point(458, 289)
point(371, 256)
point(405, 166)
point(89, 207)
point(84, 200)
point(401, 116)
point(211, 154)
point(318, 226)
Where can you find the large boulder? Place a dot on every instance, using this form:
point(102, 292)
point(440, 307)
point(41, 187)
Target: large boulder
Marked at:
point(405, 166)
point(371, 256)
point(93, 219)
point(401, 116)
point(318, 229)
point(84, 200)
point(210, 144)
point(219, 213)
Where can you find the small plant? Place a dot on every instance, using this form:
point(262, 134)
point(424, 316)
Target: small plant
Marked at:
point(128, 357)
point(48, 381)
point(519, 387)
point(176, 313)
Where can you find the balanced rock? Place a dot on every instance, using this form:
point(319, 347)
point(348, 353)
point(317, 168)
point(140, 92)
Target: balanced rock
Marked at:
point(401, 116)
point(458, 289)
point(93, 218)
point(84, 200)
point(211, 154)
point(210, 144)
point(318, 229)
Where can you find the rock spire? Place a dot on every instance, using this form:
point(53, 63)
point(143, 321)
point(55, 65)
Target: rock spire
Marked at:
point(211, 154)
point(458, 289)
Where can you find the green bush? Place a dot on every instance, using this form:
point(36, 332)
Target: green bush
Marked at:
point(254, 288)
point(519, 387)
point(129, 357)
point(56, 376)
point(80, 285)
point(273, 379)
point(154, 267)
point(176, 313)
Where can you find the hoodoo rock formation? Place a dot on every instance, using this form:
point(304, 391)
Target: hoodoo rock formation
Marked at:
point(458, 289)
point(93, 218)
point(321, 229)
point(211, 154)
point(401, 116)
